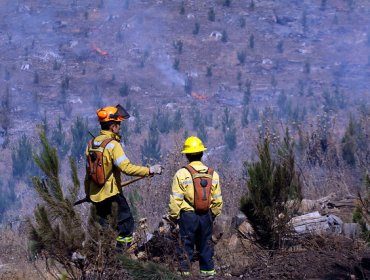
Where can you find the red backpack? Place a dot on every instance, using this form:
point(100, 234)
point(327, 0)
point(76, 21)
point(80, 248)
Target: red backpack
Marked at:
point(202, 188)
point(95, 164)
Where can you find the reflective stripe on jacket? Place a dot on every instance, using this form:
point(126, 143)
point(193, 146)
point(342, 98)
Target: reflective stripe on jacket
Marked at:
point(183, 191)
point(113, 155)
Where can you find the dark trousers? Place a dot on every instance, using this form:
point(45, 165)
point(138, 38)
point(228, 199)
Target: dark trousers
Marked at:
point(196, 229)
point(124, 217)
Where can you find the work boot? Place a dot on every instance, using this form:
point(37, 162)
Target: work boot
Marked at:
point(123, 244)
point(184, 274)
point(209, 274)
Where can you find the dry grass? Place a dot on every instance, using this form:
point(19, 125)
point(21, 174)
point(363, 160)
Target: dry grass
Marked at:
point(14, 259)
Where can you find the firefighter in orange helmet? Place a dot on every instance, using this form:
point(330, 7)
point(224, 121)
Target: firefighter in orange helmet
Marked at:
point(114, 161)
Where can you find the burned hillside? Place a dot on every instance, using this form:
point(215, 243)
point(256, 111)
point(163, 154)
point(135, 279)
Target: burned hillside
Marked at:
point(230, 72)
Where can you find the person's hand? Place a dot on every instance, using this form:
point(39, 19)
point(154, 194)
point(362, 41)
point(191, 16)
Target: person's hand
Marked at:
point(155, 169)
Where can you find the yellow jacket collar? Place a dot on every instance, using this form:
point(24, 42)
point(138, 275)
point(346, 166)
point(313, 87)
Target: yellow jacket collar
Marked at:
point(110, 134)
point(196, 163)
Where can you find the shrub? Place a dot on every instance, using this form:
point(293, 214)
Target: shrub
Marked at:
point(304, 22)
point(176, 64)
point(224, 37)
point(208, 119)
point(361, 213)
point(209, 71)
point(229, 129)
point(226, 3)
point(138, 121)
point(307, 67)
point(211, 14)
point(134, 199)
point(7, 198)
point(244, 120)
point(177, 122)
point(178, 44)
point(251, 41)
point(202, 132)
point(252, 5)
point(280, 46)
point(242, 22)
point(36, 78)
point(7, 75)
point(151, 150)
point(349, 145)
point(241, 55)
point(143, 58)
point(58, 138)
point(196, 28)
point(247, 92)
point(163, 121)
point(79, 130)
point(227, 120)
point(22, 162)
point(196, 116)
point(182, 8)
point(323, 5)
point(125, 132)
point(230, 138)
point(188, 85)
point(255, 116)
point(124, 90)
point(56, 65)
point(97, 97)
point(5, 110)
point(274, 193)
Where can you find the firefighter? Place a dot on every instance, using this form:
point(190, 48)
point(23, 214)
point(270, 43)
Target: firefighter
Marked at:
point(115, 161)
point(195, 227)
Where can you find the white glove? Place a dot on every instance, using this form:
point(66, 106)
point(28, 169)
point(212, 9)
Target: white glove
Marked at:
point(155, 169)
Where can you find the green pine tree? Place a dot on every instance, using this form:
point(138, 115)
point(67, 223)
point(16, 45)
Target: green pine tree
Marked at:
point(58, 138)
point(151, 150)
point(349, 144)
point(80, 137)
point(274, 193)
point(361, 213)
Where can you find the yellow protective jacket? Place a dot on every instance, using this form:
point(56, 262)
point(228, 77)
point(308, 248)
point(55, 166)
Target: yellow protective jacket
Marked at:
point(113, 157)
point(183, 191)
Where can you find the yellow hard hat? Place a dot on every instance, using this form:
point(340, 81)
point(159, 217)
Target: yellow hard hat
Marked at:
point(117, 114)
point(193, 145)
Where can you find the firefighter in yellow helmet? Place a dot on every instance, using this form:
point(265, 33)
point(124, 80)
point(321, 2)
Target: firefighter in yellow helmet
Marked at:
point(114, 161)
point(194, 204)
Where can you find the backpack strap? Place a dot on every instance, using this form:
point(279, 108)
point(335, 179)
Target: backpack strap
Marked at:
point(196, 174)
point(100, 147)
point(103, 145)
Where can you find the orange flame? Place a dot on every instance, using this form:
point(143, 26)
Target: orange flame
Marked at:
point(198, 96)
point(99, 51)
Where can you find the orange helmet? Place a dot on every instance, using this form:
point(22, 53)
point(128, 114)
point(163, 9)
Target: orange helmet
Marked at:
point(107, 114)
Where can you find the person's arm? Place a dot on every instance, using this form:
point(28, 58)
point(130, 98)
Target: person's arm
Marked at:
point(121, 161)
point(216, 197)
point(176, 199)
